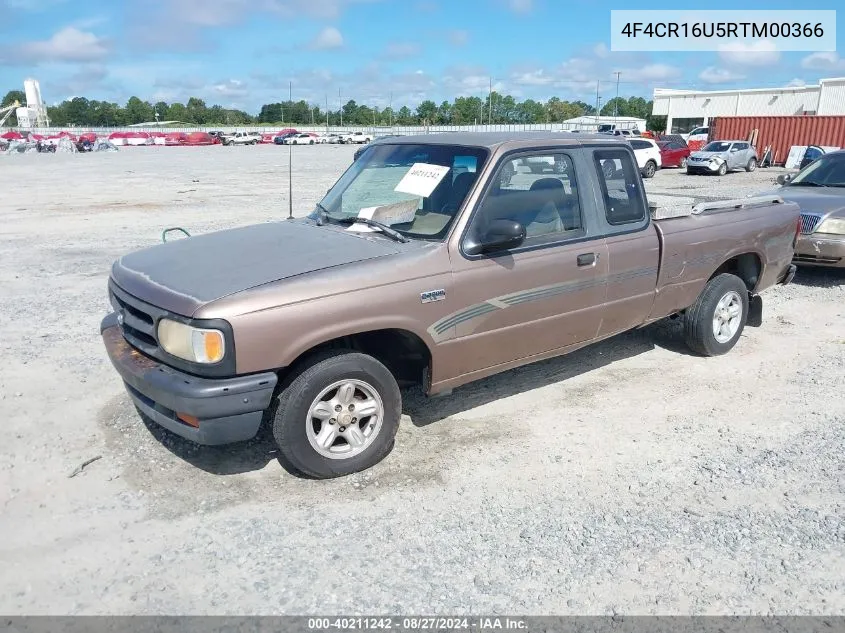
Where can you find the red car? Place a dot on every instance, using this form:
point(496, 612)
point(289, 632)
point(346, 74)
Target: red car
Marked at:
point(673, 153)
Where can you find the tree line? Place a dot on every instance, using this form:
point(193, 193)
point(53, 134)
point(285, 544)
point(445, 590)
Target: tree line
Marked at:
point(495, 108)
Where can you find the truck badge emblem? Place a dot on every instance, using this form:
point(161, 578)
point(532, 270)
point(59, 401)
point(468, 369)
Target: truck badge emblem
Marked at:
point(120, 318)
point(432, 295)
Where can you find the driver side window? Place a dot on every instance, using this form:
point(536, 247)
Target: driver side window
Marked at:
point(540, 192)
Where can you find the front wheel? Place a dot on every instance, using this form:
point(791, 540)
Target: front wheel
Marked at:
point(723, 169)
point(714, 323)
point(337, 416)
point(752, 164)
point(683, 163)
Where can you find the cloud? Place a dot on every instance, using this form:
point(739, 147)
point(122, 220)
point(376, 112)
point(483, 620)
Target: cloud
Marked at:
point(67, 45)
point(178, 25)
point(326, 39)
point(521, 6)
point(651, 73)
point(759, 53)
point(81, 82)
point(206, 13)
point(426, 6)
point(458, 37)
point(230, 89)
point(714, 75)
point(796, 83)
point(537, 77)
point(601, 51)
point(401, 50)
point(824, 61)
point(468, 80)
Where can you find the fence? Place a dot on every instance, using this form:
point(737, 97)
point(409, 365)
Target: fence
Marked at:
point(376, 130)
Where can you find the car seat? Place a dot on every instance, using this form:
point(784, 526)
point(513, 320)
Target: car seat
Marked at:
point(545, 217)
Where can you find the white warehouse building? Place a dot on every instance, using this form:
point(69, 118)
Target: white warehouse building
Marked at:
point(688, 109)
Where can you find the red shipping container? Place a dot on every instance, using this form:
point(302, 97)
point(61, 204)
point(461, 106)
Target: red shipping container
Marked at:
point(781, 132)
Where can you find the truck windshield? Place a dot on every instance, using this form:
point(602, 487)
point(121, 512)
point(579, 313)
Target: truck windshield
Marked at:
point(416, 189)
point(826, 171)
point(716, 146)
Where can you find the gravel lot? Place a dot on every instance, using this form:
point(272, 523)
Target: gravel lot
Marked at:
point(628, 477)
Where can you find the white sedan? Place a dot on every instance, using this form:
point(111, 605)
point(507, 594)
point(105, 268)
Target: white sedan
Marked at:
point(305, 138)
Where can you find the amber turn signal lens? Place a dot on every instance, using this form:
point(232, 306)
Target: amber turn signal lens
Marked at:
point(213, 346)
point(189, 420)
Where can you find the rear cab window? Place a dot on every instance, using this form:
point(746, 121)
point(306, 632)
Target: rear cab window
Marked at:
point(621, 189)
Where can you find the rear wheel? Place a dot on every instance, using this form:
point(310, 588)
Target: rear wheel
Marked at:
point(752, 165)
point(714, 323)
point(337, 416)
point(649, 169)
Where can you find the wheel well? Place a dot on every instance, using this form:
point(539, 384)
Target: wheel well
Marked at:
point(746, 266)
point(402, 352)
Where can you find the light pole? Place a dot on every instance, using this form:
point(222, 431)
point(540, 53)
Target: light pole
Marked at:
point(616, 103)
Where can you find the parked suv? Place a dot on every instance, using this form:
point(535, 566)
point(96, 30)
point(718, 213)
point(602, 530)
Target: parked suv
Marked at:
point(720, 157)
point(648, 156)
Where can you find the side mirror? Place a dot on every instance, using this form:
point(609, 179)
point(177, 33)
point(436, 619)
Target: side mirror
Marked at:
point(784, 178)
point(500, 235)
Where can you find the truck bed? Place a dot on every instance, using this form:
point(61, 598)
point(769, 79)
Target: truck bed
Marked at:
point(696, 240)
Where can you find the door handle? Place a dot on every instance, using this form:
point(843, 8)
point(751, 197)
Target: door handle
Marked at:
point(587, 259)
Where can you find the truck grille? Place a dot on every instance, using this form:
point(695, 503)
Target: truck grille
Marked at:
point(809, 222)
point(139, 320)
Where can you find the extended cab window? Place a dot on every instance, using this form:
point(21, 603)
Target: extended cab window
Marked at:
point(620, 187)
point(538, 191)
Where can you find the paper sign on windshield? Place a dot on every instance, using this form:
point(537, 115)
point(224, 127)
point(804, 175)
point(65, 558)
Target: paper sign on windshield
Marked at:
point(395, 213)
point(421, 179)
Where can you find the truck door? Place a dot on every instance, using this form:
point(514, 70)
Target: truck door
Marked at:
point(632, 242)
point(544, 294)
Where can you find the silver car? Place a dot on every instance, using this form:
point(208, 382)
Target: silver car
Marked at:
point(720, 157)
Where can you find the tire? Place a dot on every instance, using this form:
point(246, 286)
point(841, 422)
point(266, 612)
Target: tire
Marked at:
point(306, 387)
point(752, 164)
point(683, 163)
point(650, 169)
point(310, 142)
point(717, 302)
point(608, 169)
point(723, 169)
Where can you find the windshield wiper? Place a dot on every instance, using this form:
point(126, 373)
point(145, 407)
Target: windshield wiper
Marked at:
point(396, 235)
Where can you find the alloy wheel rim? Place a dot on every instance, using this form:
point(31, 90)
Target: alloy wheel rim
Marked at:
point(727, 317)
point(344, 419)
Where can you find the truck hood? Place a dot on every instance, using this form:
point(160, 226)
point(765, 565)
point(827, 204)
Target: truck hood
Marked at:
point(821, 200)
point(183, 275)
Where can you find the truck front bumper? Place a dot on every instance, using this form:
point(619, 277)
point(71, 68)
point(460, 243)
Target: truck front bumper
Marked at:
point(820, 250)
point(209, 411)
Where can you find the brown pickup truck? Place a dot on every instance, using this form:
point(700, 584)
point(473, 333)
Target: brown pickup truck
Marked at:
point(436, 260)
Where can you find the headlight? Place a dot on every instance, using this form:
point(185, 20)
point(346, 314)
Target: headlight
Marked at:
point(191, 343)
point(835, 226)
